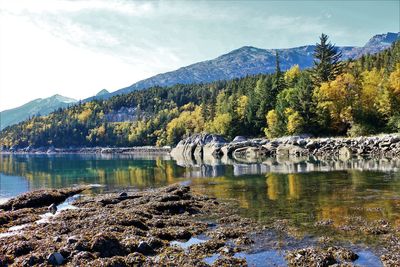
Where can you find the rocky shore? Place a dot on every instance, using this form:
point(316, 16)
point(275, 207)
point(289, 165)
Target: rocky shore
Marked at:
point(202, 146)
point(169, 226)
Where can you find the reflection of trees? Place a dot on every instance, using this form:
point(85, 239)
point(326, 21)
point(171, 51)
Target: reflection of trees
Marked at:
point(306, 197)
point(301, 197)
point(44, 171)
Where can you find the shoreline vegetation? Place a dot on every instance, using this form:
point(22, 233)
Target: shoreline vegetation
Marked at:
point(169, 226)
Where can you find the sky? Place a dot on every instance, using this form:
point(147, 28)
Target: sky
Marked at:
point(78, 47)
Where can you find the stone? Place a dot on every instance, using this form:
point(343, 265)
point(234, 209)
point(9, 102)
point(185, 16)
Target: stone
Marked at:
point(238, 139)
point(107, 245)
point(155, 243)
point(52, 208)
point(345, 153)
point(72, 239)
point(144, 248)
point(311, 145)
point(290, 150)
point(55, 258)
point(193, 145)
point(123, 195)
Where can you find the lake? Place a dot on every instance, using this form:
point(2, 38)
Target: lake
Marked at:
point(302, 192)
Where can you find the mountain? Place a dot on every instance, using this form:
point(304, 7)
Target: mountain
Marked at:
point(42, 106)
point(250, 60)
point(376, 44)
point(103, 92)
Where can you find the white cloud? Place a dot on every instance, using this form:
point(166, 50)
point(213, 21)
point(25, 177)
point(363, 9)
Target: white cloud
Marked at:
point(44, 51)
point(36, 64)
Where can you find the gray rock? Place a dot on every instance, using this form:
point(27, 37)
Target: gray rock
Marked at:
point(55, 258)
point(311, 145)
point(345, 153)
point(52, 208)
point(290, 150)
point(239, 139)
point(187, 147)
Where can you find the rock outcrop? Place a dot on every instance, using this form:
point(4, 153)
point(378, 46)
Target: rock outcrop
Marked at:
point(202, 146)
point(199, 145)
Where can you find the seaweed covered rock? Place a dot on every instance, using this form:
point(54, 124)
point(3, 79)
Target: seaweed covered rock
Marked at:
point(114, 230)
point(314, 257)
point(41, 198)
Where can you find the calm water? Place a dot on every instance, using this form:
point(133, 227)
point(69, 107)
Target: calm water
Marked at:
point(303, 192)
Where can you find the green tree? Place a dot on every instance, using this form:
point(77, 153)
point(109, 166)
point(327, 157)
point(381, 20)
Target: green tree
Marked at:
point(327, 64)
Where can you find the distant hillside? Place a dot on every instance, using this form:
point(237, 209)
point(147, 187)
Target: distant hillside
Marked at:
point(250, 60)
point(40, 106)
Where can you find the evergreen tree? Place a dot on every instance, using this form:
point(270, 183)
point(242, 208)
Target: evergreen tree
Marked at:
point(327, 64)
point(278, 83)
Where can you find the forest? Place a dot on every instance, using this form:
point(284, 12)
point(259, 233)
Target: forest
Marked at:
point(334, 98)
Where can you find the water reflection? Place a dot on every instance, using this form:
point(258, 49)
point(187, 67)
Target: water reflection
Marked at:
point(12, 185)
point(214, 167)
point(301, 190)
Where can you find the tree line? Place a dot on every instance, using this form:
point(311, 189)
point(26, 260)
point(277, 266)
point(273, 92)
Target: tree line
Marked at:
point(355, 97)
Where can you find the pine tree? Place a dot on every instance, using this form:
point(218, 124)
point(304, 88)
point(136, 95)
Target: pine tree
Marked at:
point(278, 83)
point(327, 64)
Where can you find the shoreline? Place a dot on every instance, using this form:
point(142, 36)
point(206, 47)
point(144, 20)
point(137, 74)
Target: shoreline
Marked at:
point(201, 146)
point(168, 226)
point(206, 146)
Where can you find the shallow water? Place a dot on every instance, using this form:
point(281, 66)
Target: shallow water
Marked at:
point(301, 191)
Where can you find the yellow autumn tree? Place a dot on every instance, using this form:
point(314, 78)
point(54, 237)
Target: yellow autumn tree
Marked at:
point(272, 124)
point(294, 121)
point(374, 95)
point(394, 80)
point(292, 74)
point(188, 122)
point(337, 99)
point(220, 124)
point(242, 104)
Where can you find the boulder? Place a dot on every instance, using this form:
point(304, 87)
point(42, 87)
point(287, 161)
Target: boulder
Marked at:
point(55, 258)
point(290, 150)
point(194, 145)
point(345, 153)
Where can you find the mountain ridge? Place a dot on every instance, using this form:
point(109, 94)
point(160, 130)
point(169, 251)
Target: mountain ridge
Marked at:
point(42, 106)
point(250, 60)
point(246, 60)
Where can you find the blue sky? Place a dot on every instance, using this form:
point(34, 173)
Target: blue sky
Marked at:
point(76, 48)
